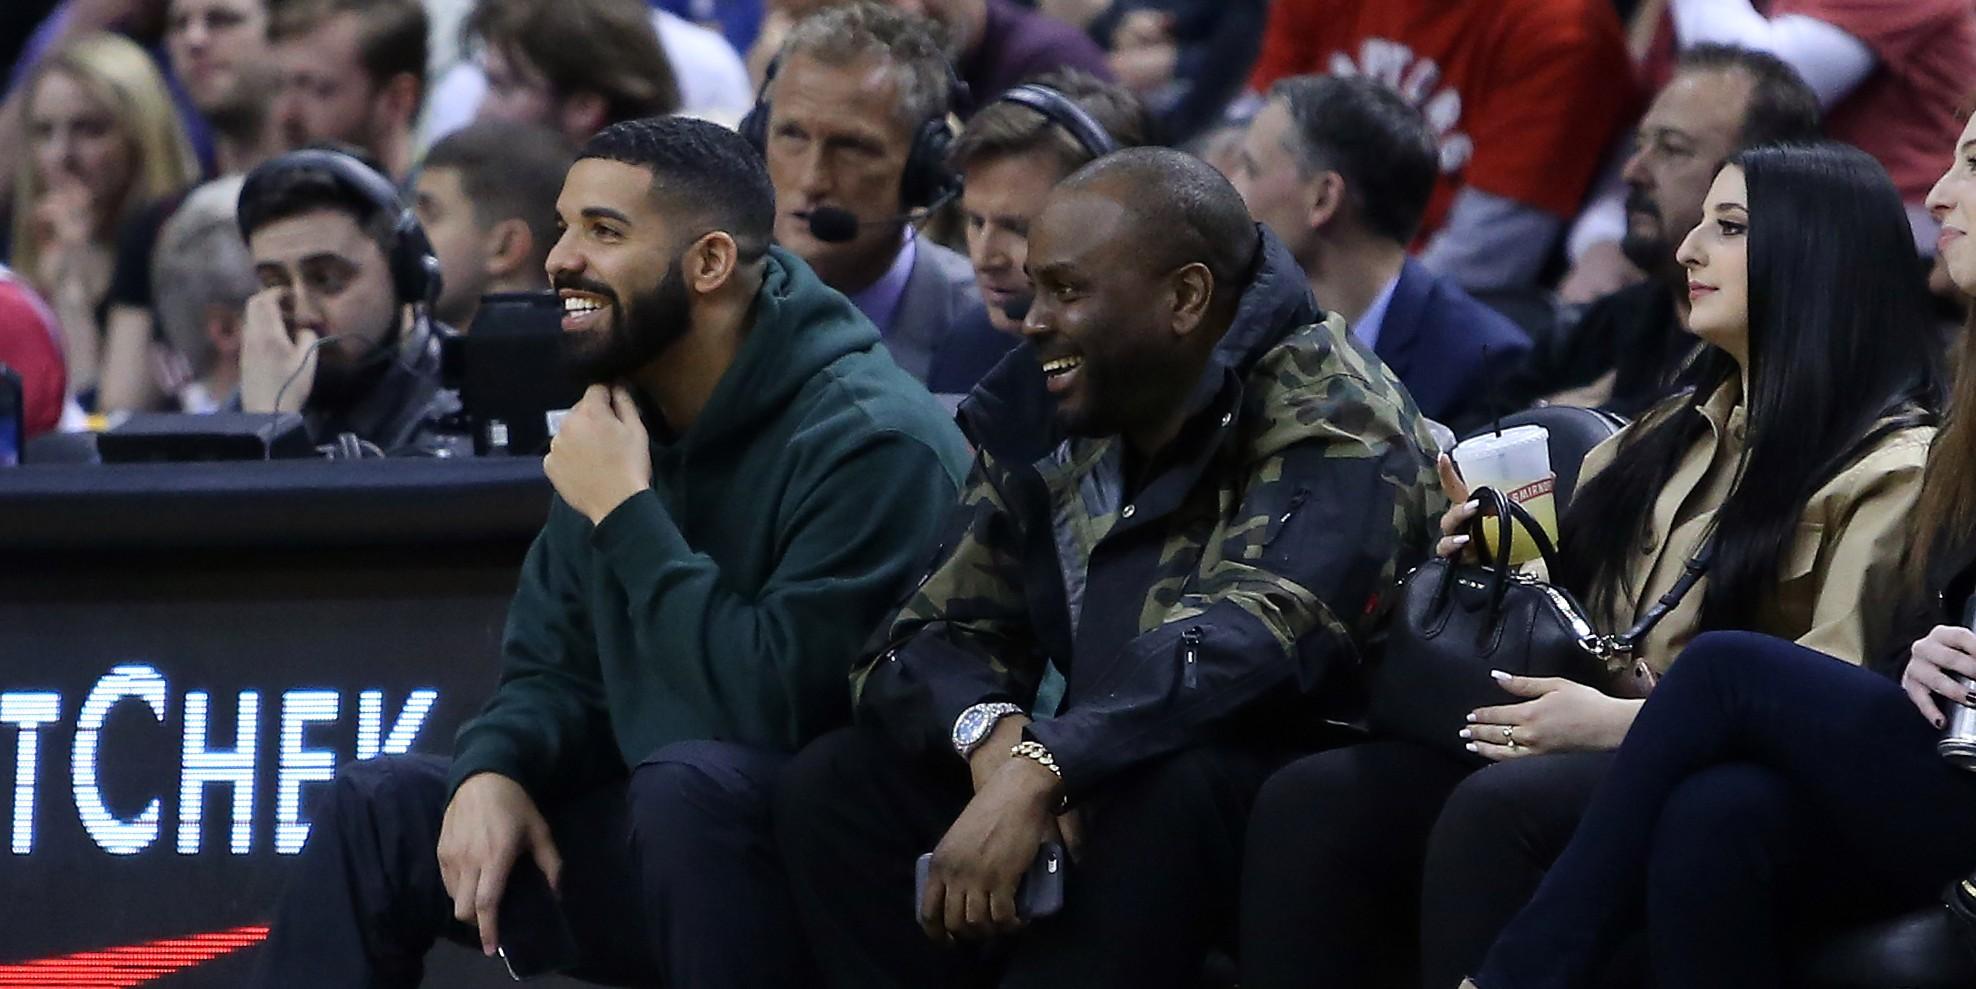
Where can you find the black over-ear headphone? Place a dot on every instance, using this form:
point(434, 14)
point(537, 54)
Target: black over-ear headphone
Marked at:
point(927, 180)
point(1062, 111)
point(414, 268)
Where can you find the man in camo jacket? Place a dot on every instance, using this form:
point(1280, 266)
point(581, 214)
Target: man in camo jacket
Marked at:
point(1191, 495)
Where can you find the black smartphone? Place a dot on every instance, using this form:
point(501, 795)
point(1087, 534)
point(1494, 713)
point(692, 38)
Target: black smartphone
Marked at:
point(13, 417)
point(1038, 894)
point(535, 937)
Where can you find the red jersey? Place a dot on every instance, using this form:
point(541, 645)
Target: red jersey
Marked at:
point(1905, 113)
point(1526, 96)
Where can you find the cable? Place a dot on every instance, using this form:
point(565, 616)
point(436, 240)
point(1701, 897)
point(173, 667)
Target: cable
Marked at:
point(282, 392)
point(380, 353)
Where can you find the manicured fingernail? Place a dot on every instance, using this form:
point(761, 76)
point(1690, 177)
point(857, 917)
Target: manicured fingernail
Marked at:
point(1470, 716)
point(1500, 676)
point(1471, 747)
point(1941, 722)
point(1465, 733)
point(1458, 540)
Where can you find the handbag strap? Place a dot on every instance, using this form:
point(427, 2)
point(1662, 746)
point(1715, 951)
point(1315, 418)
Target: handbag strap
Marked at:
point(1623, 644)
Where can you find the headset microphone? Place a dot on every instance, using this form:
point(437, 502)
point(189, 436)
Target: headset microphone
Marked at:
point(837, 225)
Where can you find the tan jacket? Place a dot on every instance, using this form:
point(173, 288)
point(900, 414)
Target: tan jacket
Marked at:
point(1848, 539)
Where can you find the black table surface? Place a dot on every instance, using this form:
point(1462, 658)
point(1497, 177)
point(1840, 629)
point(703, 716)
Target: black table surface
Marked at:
point(122, 509)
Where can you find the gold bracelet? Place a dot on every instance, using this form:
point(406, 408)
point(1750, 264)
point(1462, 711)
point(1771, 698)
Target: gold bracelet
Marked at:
point(1035, 751)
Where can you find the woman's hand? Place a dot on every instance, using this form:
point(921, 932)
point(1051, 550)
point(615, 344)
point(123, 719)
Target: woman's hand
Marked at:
point(1932, 666)
point(1561, 716)
point(65, 222)
point(1454, 522)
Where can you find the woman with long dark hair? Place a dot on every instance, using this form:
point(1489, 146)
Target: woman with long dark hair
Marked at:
point(1767, 792)
point(1795, 459)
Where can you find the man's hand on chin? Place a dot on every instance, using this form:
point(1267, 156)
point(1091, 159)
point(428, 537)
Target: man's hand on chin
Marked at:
point(601, 455)
point(971, 885)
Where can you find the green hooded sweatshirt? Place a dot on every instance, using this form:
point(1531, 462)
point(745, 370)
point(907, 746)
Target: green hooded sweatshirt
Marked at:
point(729, 600)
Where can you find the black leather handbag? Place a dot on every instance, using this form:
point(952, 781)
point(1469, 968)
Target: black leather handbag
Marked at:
point(1458, 621)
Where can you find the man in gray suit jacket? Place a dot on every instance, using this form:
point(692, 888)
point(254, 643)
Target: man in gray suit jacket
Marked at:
point(843, 123)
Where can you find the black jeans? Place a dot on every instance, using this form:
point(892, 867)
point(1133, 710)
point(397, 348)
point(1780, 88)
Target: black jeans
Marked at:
point(1152, 893)
point(1500, 832)
point(669, 877)
point(1331, 885)
point(1354, 852)
point(1763, 785)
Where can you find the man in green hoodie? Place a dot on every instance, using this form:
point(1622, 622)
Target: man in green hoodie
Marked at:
point(743, 493)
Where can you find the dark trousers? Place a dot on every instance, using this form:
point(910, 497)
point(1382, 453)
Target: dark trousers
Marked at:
point(1331, 885)
point(1151, 894)
point(1762, 785)
point(668, 878)
point(1389, 864)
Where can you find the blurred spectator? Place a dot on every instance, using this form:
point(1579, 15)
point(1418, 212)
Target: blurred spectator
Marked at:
point(486, 197)
point(995, 43)
point(1009, 156)
point(102, 141)
point(142, 21)
point(353, 73)
point(219, 50)
point(1624, 353)
point(851, 126)
point(1221, 146)
point(1340, 169)
point(202, 279)
point(334, 332)
point(537, 61)
point(1186, 58)
point(1524, 95)
point(30, 343)
point(1890, 76)
point(573, 65)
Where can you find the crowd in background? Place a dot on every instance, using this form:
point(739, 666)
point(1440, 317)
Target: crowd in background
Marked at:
point(1504, 203)
point(117, 110)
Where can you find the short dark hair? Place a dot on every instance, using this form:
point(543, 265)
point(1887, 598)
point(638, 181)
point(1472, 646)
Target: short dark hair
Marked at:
point(1003, 129)
point(1783, 109)
point(1371, 136)
point(699, 169)
point(295, 191)
point(607, 47)
point(1188, 211)
point(508, 171)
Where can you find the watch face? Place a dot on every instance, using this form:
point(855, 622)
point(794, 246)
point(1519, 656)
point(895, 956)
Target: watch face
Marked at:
point(972, 725)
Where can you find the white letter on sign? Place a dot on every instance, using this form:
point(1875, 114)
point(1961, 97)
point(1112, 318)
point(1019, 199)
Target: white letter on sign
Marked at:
point(30, 711)
point(299, 765)
point(371, 739)
point(204, 765)
point(116, 836)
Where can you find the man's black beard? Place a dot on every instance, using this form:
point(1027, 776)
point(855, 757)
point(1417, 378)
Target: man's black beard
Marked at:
point(1649, 253)
point(637, 334)
point(340, 384)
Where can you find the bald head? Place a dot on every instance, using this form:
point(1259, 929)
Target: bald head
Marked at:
point(1176, 210)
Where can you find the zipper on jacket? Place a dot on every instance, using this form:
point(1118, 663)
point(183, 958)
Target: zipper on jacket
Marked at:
point(1282, 521)
point(1190, 657)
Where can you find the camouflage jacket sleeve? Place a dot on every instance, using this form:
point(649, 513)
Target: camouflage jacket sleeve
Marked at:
point(1338, 497)
point(963, 637)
